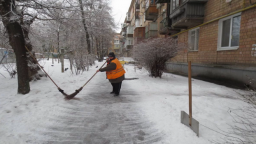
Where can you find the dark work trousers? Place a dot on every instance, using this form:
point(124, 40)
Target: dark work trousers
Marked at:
point(116, 87)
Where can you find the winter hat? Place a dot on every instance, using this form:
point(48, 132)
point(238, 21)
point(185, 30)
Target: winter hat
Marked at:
point(111, 54)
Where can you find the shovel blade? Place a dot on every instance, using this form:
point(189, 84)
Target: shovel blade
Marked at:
point(194, 124)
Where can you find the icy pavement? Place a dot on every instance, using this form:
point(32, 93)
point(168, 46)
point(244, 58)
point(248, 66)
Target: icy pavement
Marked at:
point(98, 118)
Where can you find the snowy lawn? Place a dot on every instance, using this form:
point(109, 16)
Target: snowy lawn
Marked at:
point(159, 100)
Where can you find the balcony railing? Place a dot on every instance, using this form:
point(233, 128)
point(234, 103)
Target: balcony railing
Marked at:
point(128, 43)
point(165, 27)
point(151, 12)
point(150, 34)
point(139, 34)
point(151, 30)
point(189, 14)
point(129, 32)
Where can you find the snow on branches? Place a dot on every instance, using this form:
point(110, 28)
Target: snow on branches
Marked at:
point(152, 53)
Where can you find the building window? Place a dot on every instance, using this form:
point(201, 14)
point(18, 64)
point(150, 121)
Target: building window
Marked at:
point(116, 41)
point(193, 38)
point(229, 32)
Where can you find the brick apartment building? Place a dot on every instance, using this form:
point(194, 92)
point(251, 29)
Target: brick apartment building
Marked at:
point(221, 35)
point(222, 46)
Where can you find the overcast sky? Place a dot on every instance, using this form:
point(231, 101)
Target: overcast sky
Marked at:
point(119, 9)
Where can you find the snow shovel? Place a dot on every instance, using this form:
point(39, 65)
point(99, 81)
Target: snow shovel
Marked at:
point(186, 119)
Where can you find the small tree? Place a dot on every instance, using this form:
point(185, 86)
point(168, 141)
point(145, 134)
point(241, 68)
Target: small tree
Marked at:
point(153, 53)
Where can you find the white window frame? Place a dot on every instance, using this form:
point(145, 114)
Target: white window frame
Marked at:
point(220, 33)
point(196, 34)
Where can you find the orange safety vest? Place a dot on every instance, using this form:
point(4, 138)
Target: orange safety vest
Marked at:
point(118, 72)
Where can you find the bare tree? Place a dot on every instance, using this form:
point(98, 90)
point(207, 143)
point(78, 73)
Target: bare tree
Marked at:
point(44, 25)
point(154, 52)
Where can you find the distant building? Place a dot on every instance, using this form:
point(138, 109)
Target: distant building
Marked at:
point(115, 47)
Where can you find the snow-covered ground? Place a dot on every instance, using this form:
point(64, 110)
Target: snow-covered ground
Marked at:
point(153, 105)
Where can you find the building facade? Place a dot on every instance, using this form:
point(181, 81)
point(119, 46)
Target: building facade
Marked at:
point(116, 45)
point(220, 34)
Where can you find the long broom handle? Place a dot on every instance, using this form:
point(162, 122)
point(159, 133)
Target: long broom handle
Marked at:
point(94, 75)
point(42, 68)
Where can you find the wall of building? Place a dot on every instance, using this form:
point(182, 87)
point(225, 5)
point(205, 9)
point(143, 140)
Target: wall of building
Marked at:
point(237, 66)
point(235, 76)
point(208, 37)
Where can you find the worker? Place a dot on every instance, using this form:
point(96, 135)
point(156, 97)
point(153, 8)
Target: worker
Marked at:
point(115, 73)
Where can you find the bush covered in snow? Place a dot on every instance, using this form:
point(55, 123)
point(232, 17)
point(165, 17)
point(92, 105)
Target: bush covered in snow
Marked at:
point(154, 52)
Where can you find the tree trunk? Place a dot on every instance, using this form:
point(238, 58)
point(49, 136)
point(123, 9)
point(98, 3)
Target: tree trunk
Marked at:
point(85, 27)
point(16, 40)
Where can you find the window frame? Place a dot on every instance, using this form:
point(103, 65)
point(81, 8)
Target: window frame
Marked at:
point(189, 37)
point(220, 28)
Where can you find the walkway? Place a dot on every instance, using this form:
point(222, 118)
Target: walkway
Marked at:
point(99, 118)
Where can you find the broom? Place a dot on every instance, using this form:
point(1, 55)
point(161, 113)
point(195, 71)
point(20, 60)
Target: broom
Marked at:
point(78, 90)
point(62, 91)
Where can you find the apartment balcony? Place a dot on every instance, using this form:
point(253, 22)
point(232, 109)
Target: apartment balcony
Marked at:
point(117, 47)
point(128, 43)
point(129, 32)
point(151, 12)
point(162, 1)
point(137, 6)
point(139, 34)
point(137, 14)
point(189, 14)
point(129, 35)
point(129, 47)
point(151, 30)
point(165, 27)
point(124, 27)
point(128, 19)
point(123, 33)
